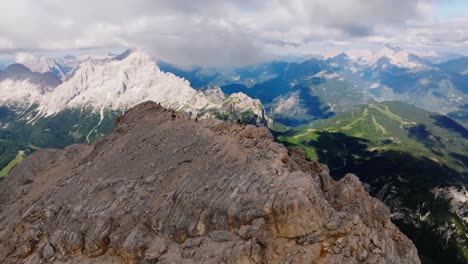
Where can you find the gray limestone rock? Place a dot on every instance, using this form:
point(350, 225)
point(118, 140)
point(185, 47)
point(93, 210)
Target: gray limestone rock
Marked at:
point(162, 191)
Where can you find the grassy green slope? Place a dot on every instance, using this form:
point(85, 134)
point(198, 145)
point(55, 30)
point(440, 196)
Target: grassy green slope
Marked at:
point(391, 126)
point(403, 153)
point(9, 150)
point(18, 133)
point(19, 157)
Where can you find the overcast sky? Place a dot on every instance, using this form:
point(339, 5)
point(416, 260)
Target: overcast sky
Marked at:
point(230, 32)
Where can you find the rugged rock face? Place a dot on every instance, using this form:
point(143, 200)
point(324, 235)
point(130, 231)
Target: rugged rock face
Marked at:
point(162, 191)
point(109, 85)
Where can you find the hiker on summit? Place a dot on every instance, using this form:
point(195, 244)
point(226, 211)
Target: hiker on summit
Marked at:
point(174, 116)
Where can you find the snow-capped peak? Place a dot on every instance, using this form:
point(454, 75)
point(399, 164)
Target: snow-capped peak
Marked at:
point(120, 83)
point(40, 64)
point(114, 83)
point(21, 86)
point(395, 56)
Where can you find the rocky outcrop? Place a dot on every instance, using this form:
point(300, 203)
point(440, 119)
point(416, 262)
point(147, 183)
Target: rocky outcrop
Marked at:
point(162, 191)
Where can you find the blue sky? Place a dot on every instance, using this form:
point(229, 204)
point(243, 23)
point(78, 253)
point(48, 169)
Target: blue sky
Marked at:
point(451, 8)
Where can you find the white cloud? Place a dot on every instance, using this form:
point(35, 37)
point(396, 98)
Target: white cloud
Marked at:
point(224, 32)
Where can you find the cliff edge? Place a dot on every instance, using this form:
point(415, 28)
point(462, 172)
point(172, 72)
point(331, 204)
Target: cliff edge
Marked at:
point(163, 191)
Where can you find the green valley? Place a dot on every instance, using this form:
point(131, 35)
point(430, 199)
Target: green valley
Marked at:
point(413, 160)
point(21, 133)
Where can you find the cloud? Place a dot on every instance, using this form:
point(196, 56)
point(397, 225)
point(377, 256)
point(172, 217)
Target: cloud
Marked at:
point(222, 32)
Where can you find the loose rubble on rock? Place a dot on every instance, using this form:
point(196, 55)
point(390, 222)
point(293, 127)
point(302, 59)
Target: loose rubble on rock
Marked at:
point(162, 191)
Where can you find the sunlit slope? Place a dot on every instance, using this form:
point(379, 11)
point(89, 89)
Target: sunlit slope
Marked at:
point(393, 126)
point(413, 160)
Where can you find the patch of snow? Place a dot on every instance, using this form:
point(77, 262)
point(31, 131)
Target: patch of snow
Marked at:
point(126, 82)
point(118, 84)
point(400, 58)
point(22, 93)
point(353, 69)
point(424, 81)
point(40, 64)
point(324, 74)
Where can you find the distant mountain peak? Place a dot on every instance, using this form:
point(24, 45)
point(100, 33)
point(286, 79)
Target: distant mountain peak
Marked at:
point(395, 55)
point(21, 86)
point(18, 72)
point(17, 68)
point(113, 84)
point(40, 64)
point(342, 55)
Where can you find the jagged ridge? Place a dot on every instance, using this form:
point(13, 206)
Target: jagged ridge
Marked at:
point(108, 84)
point(181, 191)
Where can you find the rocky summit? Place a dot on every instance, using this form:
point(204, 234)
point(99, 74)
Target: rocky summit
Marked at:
point(158, 190)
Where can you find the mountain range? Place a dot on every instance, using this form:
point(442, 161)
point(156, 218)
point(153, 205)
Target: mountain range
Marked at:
point(107, 84)
point(41, 108)
point(157, 190)
point(413, 160)
point(396, 118)
point(297, 93)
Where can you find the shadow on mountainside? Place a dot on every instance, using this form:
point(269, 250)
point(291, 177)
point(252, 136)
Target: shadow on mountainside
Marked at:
point(414, 176)
point(463, 159)
point(401, 181)
point(450, 124)
point(395, 177)
point(420, 133)
point(311, 105)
